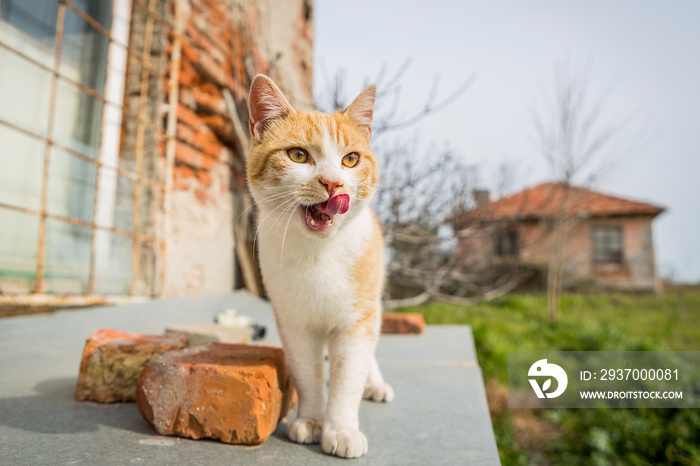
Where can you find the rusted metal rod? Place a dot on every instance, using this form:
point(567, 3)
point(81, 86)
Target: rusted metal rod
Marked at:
point(173, 98)
point(41, 247)
point(82, 223)
point(125, 173)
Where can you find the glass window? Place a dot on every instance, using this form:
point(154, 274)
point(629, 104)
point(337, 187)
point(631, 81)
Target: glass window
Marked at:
point(25, 91)
point(20, 180)
point(99, 217)
point(607, 244)
point(507, 243)
point(18, 252)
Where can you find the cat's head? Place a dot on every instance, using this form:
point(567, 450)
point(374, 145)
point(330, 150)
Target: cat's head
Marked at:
point(313, 169)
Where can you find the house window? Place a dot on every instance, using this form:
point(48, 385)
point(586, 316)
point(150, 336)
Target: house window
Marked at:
point(607, 244)
point(75, 219)
point(507, 243)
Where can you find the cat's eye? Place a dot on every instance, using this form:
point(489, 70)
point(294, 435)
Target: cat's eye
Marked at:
point(351, 160)
point(298, 155)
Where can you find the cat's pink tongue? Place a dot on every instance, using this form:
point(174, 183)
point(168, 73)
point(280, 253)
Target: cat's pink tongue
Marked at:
point(338, 204)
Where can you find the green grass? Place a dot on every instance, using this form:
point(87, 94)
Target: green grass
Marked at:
point(603, 322)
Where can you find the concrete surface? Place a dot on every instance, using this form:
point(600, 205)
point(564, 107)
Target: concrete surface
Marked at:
point(439, 415)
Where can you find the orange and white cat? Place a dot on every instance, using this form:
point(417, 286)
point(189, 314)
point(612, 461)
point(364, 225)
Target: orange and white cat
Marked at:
point(313, 176)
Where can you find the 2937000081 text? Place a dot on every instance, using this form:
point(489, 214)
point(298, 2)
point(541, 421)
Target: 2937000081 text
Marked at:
point(630, 374)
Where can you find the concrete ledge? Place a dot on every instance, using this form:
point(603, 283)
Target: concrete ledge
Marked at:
point(439, 415)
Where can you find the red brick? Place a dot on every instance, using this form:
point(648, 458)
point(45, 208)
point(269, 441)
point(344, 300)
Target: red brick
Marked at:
point(186, 98)
point(191, 33)
point(212, 103)
point(211, 70)
point(233, 393)
point(185, 133)
point(220, 125)
point(401, 322)
point(204, 177)
point(188, 117)
point(189, 155)
point(190, 52)
point(112, 361)
point(208, 143)
point(183, 171)
point(214, 51)
point(209, 161)
point(201, 195)
point(188, 77)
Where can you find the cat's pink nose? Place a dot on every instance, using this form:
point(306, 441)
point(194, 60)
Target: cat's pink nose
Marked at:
point(331, 186)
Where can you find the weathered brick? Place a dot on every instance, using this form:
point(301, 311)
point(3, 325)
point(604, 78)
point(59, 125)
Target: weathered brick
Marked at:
point(200, 334)
point(201, 195)
point(204, 177)
point(185, 133)
point(403, 322)
point(208, 143)
point(190, 51)
point(210, 69)
point(187, 99)
point(233, 393)
point(189, 155)
point(188, 117)
point(183, 171)
point(221, 126)
point(112, 361)
point(212, 103)
point(188, 76)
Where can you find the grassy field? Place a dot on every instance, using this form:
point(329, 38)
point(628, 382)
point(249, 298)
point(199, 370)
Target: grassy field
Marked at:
point(612, 322)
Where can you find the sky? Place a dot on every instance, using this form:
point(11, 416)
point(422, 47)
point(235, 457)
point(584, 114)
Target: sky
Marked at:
point(645, 53)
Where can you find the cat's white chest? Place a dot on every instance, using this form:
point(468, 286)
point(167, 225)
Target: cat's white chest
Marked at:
point(309, 281)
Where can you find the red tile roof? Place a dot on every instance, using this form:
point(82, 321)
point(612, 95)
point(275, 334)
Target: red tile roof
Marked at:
point(545, 200)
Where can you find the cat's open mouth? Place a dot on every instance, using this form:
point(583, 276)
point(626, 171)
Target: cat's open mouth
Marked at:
point(319, 217)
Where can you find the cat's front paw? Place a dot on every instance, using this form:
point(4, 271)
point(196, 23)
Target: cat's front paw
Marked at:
point(344, 442)
point(380, 392)
point(302, 430)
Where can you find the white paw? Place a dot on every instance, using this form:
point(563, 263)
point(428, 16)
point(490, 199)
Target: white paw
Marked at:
point(381, 392)
point(302, 430)
point(346, 443)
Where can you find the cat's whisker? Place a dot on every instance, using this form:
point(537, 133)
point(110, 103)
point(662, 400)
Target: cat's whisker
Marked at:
point(257, 231)
point(284, 235)
point(280, 218)
point(260, 224)
point(269, 198)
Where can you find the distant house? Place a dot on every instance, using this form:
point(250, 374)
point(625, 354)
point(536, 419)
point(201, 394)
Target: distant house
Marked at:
point(606, 241)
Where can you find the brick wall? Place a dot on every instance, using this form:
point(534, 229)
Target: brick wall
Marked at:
point(224, 44)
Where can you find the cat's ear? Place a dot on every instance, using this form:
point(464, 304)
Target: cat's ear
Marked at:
point(361, 110)
point(266, 103)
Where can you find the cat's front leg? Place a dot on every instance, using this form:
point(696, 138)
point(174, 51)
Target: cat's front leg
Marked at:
point(304, 357)
point(349, 357)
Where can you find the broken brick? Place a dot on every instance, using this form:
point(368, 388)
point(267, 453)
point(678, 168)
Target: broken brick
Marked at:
point(403, 322)
point(112, 361)
point(200, 334)
point(234, 393)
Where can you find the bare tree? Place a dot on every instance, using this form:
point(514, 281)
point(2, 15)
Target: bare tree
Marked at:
point(581, 143)
point(420, 195)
